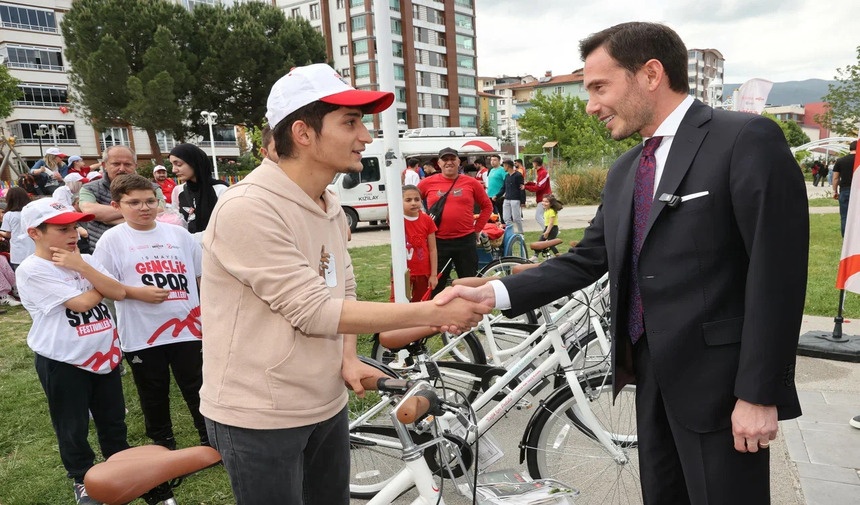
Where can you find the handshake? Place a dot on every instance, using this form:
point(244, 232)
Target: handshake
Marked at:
point(464, 304)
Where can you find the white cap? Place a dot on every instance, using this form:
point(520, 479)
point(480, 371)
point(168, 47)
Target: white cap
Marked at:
point(48, 210)
point(55, 151)
point(158, 168)
point(73, 177)
point(319, 82)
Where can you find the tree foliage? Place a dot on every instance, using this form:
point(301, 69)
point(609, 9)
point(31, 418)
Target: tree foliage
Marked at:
point(794, 134)
point(844, 99)
point(582, 138)
point(9, 91)
point(243, 50)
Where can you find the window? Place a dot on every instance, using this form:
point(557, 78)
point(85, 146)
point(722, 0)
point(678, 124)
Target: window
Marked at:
point(439, 101)
point(362, 70)
point(344, 50)
point(345, 72)
point(397, 49)
point(443, 81)
point(396, 26)
point(401, 94)
point(435, 16)
point(469, 121)
point(370, 171)
point(416, 11)
point(421, 35)
point(24, 18)
point(464, 3)
point(42, 58)
point(559, 90)
point(437, 59)
point(315, 11)
point(26, 133)
point(191, 4)
point(341, 27)
point(465, 42)
point(394, 5)
point(295, 13)
point(466, 81)
point(114, 137)
point(501, 102)
point(468, 101)
point(359, 46)
point(399, 72)
point(165, 141)
point(340, 4)
point(463, 21)
point(43, 95)
point(358, 22)
point(440, 39)
point(465, 61)
point(356, 3)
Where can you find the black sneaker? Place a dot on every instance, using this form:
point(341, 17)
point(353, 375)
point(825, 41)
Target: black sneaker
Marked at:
point(168, 442)
point(81, 496)
point(855, 422)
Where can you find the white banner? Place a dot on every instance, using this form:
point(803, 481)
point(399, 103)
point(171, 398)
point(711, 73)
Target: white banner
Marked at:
point(752, 95)
point(848, 276)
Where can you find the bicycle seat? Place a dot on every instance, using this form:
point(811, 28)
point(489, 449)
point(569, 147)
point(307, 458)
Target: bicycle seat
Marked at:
point(544, 244)
point(129, 474)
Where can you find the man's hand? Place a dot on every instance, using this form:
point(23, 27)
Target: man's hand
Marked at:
point(464, 306)
point(353, 370)
point(753, 426)
point(472, 282)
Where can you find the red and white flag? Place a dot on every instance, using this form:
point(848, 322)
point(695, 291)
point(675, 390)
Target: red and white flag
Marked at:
point(848, 276)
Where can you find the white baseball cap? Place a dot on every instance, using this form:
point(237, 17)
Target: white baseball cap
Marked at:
point(55, 151)
point(48, 210)
point(320, 82)
point(73, 177)
point(159, 168)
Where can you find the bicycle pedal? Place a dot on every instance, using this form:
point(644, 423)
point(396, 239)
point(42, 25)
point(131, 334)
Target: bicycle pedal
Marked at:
point(523, 404)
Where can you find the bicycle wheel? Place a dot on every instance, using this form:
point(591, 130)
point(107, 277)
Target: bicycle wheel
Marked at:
point(460, 366)
point(375, 451)
point(561, 447)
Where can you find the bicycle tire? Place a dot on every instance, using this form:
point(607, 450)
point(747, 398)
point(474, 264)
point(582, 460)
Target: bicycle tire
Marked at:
point(375, 451)
point(559, 445)
point(453, 376)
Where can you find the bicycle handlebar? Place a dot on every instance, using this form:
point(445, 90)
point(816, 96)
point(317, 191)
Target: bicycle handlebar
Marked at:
point(418, 405)
point(387, 384)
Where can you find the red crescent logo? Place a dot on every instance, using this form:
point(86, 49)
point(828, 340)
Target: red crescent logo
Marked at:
point(369, 188)
point(480, 145)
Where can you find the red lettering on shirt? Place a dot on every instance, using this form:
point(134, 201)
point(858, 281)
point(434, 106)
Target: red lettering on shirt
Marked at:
point(192, 322)
point(160, 266)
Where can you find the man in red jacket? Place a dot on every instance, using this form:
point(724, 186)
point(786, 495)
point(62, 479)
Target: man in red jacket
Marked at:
point(456, 235)
point(540, 187)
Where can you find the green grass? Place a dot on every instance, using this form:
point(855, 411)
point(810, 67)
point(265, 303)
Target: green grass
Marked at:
point(823, 202)
point(30, 469)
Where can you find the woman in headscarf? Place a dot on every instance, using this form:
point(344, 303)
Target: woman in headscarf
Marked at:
point(195, 197)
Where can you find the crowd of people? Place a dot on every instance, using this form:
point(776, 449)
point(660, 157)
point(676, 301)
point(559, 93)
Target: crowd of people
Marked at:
point(261, 338)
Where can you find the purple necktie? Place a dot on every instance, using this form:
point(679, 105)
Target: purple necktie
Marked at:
point(643, 196)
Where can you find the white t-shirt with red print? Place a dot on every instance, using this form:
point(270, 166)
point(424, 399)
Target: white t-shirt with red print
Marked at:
point(87, 340)
point(167, 257)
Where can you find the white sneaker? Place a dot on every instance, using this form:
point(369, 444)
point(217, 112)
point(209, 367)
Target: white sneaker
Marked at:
point(8, 300)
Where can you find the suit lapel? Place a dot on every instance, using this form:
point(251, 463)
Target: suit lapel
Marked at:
point(685, 145)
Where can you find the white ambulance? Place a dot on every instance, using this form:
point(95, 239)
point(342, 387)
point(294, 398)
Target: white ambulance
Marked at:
point(362, 195)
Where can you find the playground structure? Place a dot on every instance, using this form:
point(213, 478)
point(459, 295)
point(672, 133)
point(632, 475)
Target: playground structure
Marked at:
point(11, 163)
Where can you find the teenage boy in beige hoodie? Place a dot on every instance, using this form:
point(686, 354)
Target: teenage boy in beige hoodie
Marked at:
point(278, 302)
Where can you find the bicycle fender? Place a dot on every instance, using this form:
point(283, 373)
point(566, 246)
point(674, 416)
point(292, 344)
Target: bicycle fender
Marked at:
point(544, 407)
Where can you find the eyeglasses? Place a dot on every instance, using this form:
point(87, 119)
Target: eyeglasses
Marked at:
point(141, 204)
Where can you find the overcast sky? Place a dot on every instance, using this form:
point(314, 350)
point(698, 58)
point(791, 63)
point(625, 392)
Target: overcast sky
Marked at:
point(778, 40)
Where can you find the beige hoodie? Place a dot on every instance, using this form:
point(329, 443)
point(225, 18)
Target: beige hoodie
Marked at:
point(275, 274)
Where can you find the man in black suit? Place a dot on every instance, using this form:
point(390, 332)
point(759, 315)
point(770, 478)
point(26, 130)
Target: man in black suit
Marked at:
point(708, 271)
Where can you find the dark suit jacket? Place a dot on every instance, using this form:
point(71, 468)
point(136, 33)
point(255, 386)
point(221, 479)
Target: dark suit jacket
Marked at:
point(722, 277)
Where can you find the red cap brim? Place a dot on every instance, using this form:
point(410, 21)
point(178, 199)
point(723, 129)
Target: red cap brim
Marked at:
point(370, 102)
point(70, 217)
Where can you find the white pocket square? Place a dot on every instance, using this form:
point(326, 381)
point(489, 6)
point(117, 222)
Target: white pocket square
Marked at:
point(693, 196)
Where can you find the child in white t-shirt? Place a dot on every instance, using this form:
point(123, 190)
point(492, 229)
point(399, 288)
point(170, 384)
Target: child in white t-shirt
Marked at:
point(159, 321)
point(73, 336)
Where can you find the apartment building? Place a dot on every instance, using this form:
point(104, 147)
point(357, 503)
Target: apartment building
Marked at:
point(32, 48)
point(433, 43)
point(705, 74)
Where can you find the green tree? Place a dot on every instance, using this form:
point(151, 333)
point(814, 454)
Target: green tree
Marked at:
point(486, 129)
point(582, 138)
point(243, 50)
point(844, 98)
point(794, 134)
point(9, 91)
point(125, 73)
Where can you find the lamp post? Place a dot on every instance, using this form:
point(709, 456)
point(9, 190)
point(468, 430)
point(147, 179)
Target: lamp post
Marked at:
point(515, 117)
point(210, 118)
point(55, 132)
point(40, 132)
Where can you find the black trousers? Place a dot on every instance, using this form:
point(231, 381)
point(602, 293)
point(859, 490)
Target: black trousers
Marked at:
point(73, 394)
point(680, 466)
point(462, 252)
point(307, 465)
point(151, 369)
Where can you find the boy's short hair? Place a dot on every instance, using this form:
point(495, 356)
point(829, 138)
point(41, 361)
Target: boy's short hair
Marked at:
point(311, 114)
point(413, 162)
point(538, 160)
point(409, 187)
point(508, 163)
point(126, 183)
